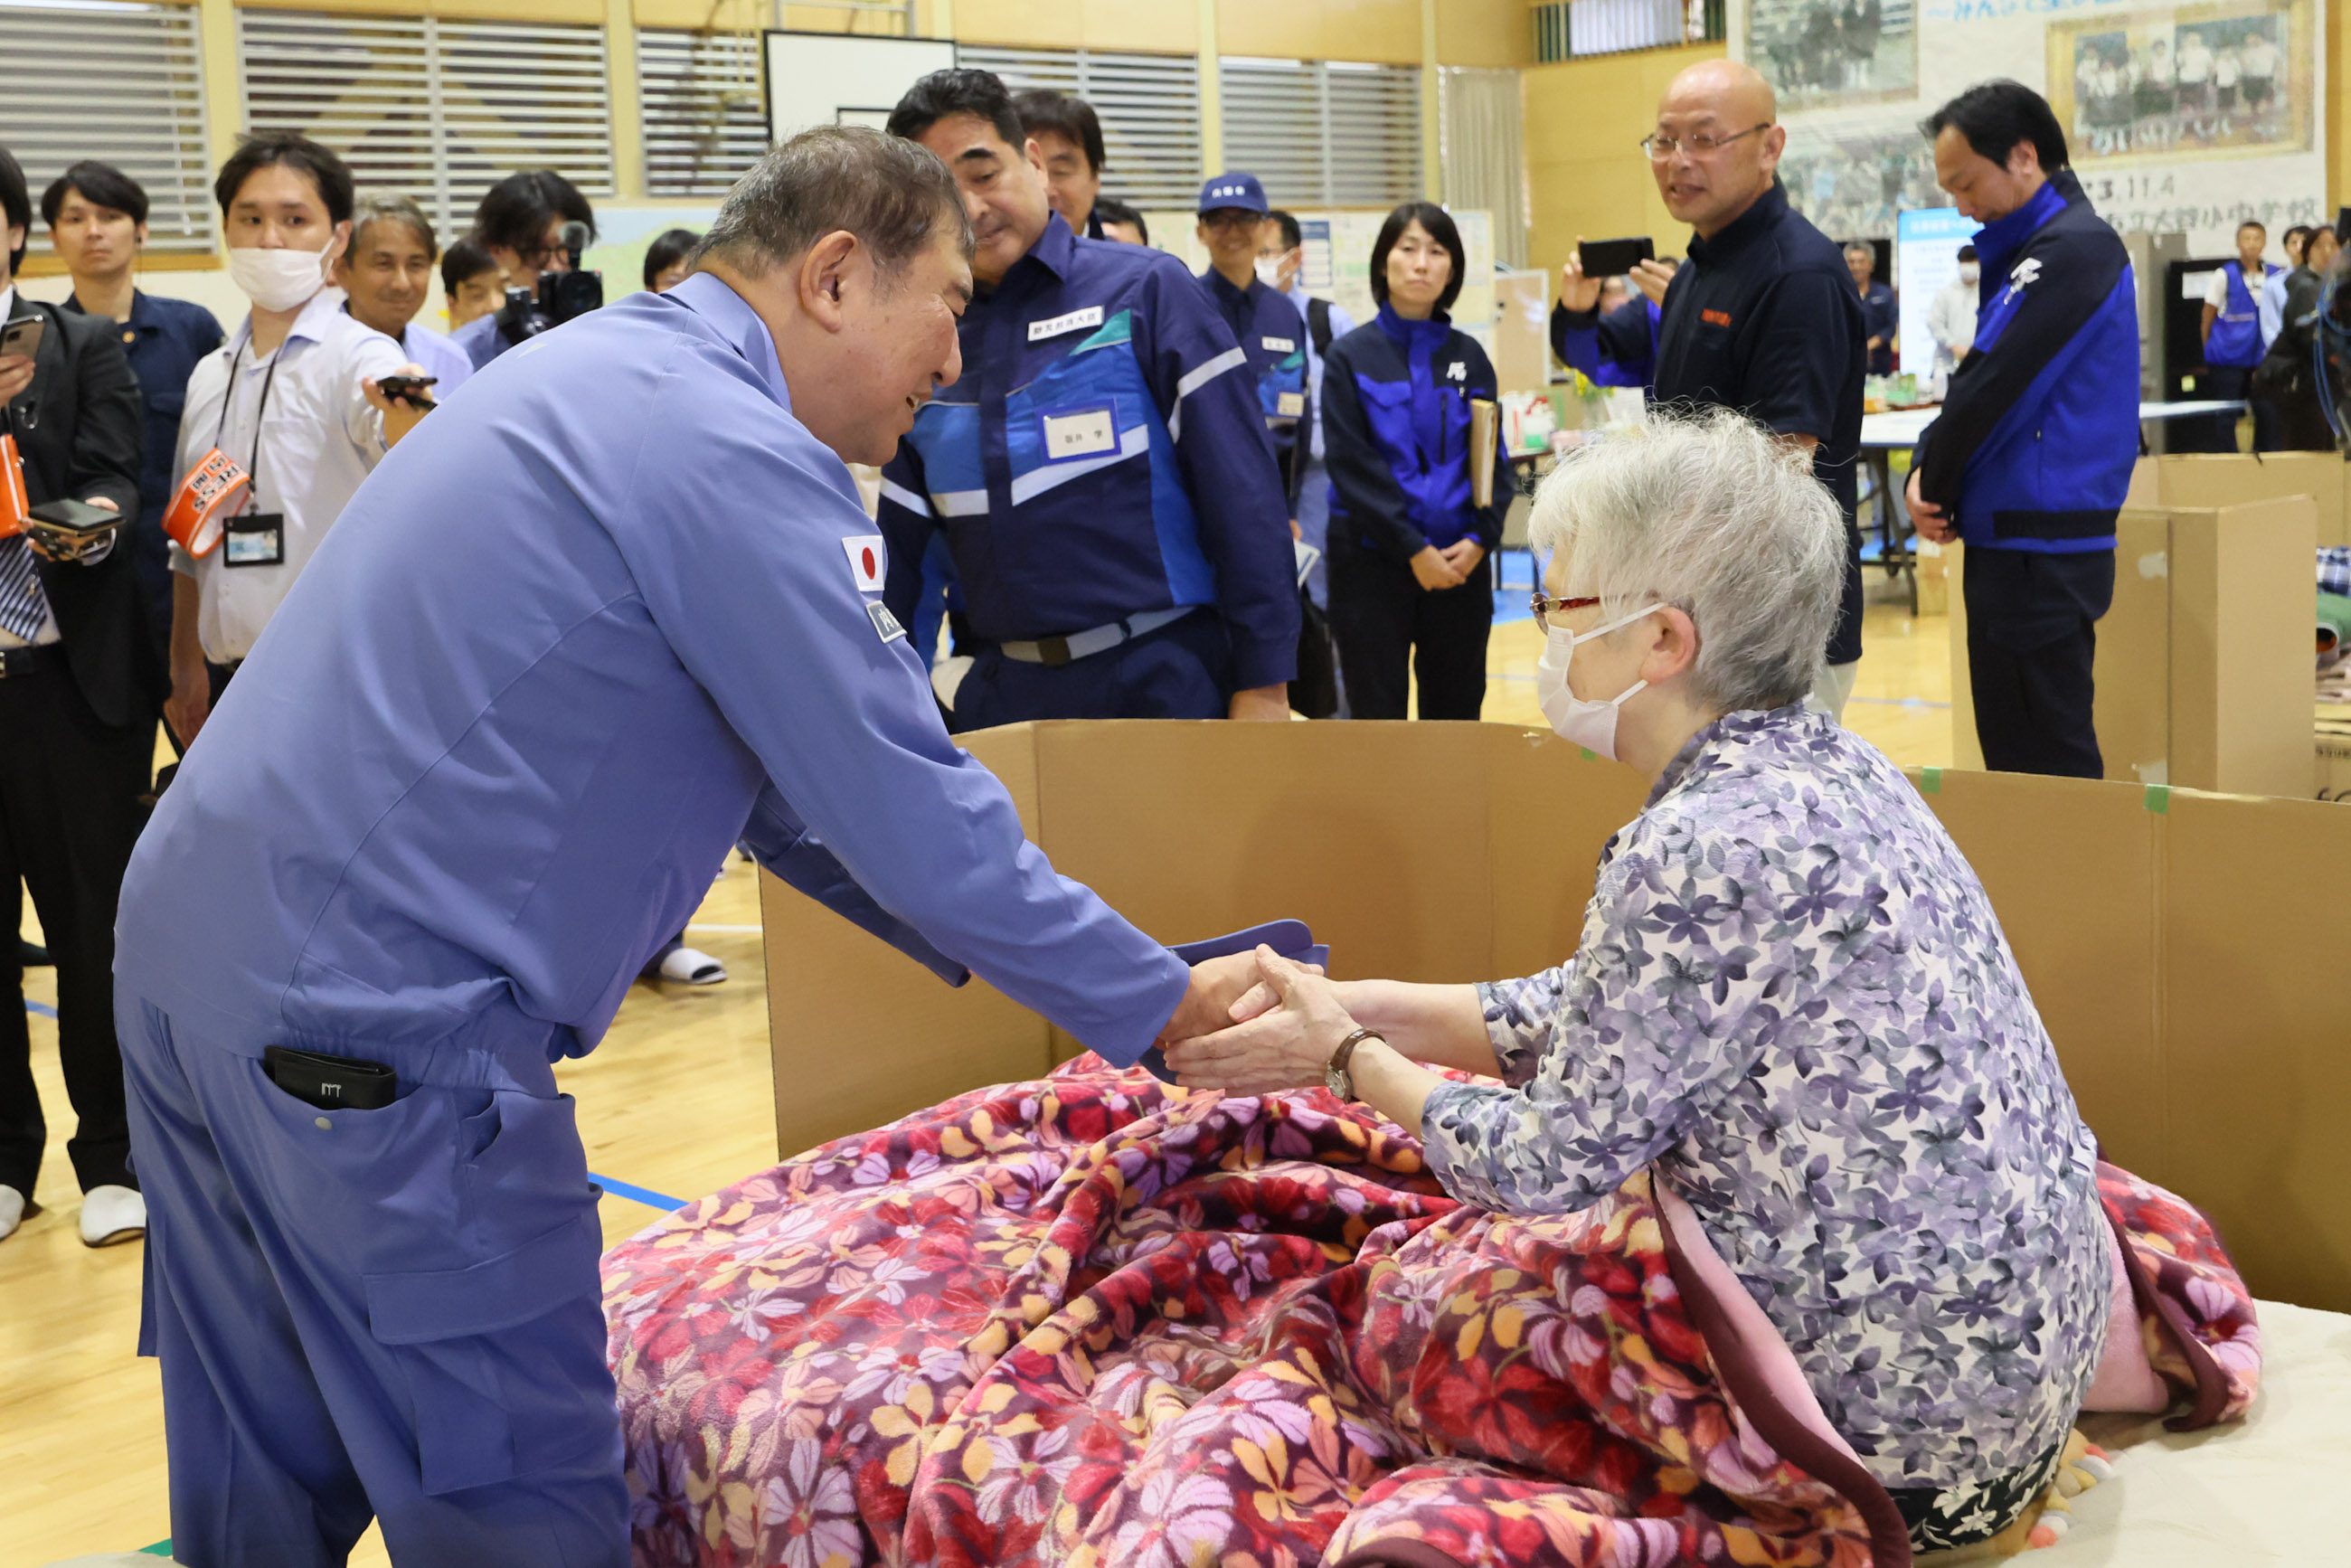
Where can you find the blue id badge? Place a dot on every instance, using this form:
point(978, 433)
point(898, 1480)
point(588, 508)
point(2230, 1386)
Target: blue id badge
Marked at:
point(1290, 938)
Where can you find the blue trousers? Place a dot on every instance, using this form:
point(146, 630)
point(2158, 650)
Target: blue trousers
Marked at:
point(1181, 671)
point(391, 1313)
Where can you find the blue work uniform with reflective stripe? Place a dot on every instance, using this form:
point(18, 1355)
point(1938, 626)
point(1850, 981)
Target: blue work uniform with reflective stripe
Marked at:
point(1272, 336)
point(559, 655)
point(2236, 340)
point(1104, 456)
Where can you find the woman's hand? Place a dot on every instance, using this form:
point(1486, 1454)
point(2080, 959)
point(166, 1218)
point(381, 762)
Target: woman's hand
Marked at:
point(1463, 556)
point(1287, 1048)
point(1434, 571)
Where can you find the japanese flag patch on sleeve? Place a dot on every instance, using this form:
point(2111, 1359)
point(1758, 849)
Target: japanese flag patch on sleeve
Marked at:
point(867, 562)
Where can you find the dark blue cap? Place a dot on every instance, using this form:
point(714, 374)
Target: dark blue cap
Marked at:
point(1233, 190)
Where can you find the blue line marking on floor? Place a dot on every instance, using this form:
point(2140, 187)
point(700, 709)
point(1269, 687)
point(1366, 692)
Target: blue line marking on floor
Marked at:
point(41, 1009)
point(645, 1196)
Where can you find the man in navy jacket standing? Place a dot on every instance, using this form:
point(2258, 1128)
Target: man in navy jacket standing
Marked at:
point(2031, 455)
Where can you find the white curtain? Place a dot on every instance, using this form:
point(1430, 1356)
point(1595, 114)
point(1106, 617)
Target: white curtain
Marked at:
point(1481, 158)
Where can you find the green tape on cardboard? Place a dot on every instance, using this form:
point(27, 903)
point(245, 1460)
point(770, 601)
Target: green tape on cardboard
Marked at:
point(1589, 754)
point(160, 1549)
point(1930, 780)
point(2159, 798)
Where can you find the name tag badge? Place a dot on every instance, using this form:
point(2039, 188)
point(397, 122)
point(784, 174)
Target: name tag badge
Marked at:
point(256, 540)
point(1278, 345)
point(1054, 326)
point(1087, 433)
point(885, 625)
point(1290, 405)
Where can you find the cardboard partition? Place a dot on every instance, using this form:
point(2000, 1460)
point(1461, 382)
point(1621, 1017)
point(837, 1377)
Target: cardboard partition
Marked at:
point(2184, 949)
point(2224, 479)
point(2202, 666)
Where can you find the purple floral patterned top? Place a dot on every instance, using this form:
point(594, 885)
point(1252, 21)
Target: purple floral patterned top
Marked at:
point(1792, 996)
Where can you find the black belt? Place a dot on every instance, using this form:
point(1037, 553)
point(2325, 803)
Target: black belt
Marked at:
point(16, 662)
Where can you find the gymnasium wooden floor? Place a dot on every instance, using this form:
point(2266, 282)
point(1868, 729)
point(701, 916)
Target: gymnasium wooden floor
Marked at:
point(677, 1102)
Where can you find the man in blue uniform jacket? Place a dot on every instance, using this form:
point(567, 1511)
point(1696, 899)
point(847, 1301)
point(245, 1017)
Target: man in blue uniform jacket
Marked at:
point(1271, 333)
point(1101, 473)
point(558, 657)
point(2031, 455)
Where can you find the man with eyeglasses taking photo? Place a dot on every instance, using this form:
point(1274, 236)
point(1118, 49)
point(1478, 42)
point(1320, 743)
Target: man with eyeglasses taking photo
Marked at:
point(1762, 318)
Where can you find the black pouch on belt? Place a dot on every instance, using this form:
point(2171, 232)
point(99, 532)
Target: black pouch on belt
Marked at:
point(330, 1083)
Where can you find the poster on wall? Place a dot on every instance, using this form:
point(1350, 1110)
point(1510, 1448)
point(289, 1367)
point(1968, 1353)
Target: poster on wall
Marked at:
point(1818, 54)
point(2186, 118)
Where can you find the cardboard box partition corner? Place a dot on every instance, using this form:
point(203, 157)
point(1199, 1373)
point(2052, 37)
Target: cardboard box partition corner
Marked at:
point(2183, 948)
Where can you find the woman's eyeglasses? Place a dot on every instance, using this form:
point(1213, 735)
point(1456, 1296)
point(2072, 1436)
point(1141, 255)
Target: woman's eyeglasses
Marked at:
point(1545, 607)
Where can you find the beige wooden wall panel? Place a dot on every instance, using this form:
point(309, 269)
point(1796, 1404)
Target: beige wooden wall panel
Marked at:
point(1584, 120)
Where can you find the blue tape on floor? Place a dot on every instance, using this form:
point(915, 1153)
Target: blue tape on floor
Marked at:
point(645, 1196)
point(40, 1010)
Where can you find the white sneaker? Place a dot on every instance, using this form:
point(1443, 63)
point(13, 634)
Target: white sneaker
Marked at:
point(692, 967)
point(12, 1211)
point(111, 1214)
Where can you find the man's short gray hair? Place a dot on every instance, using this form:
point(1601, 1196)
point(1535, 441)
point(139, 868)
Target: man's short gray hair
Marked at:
point(1710, 512)
point(892, 194)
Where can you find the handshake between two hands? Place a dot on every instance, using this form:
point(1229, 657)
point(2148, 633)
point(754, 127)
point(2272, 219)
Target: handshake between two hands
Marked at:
point(1255, 1023)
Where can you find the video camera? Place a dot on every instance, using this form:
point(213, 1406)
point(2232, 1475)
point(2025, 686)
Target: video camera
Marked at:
point(560, 296)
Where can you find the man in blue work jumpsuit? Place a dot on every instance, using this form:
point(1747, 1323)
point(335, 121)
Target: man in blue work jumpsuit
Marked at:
point(1102, 474)
point(1271, 333)
point(2232, 327)
point(556, 659)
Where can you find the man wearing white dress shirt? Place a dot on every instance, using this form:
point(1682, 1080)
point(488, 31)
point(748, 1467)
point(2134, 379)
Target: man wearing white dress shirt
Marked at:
point(291, 399)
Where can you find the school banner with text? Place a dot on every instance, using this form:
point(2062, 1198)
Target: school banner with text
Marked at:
point(2188, 118)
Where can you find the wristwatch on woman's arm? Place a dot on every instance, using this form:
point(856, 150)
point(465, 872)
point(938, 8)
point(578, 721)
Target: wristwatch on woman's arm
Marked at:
point(1336, 1077)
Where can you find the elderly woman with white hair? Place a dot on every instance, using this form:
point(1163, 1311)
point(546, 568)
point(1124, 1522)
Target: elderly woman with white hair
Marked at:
point(1791, 1001)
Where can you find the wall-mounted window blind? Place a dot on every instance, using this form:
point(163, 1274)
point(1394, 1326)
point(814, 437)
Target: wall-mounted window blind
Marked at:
point(436, 108)
point(1149, 106)
point(1566, 29)
point(122, 83)
point(1324, 132)
point(700, 97)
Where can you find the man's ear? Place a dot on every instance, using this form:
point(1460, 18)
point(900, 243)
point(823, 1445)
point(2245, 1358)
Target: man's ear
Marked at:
point(829, 274)
point(339, 246)
point(2024, 160)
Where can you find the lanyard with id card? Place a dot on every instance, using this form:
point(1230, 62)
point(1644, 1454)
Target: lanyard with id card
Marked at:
point(200, 519)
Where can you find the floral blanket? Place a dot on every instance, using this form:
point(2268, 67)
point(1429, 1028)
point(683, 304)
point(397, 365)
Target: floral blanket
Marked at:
point(1095, 1318)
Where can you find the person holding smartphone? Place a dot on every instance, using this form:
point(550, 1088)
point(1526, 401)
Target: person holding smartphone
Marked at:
point(96, 218)
point(79, 684)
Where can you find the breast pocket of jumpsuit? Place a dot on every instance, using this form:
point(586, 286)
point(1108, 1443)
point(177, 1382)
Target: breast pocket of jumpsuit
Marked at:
point(500, 1345)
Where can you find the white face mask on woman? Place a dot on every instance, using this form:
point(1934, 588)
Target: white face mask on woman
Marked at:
point(276, 279)
point(1588, 723)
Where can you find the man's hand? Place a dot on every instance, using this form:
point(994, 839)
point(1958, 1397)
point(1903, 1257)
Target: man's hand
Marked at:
point(1932, 523)
point(1262, 704)
point(15, 375)
point(399, 416)
point(1576, 291)
point(1652, 278)
point(1463, 556)
point(1218, 986)
point(39, 538)
point(1433, 570)
point(191, 701)
point(1287, 1048)
point(1875, 344)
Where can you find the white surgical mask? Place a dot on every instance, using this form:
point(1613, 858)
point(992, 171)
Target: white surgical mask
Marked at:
point(276, 279)
point(1970, 272)
point(1590, 724)
point(1269, 271)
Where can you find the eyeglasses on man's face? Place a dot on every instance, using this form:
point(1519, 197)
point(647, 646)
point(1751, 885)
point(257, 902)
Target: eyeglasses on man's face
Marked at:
point(1660, 146)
